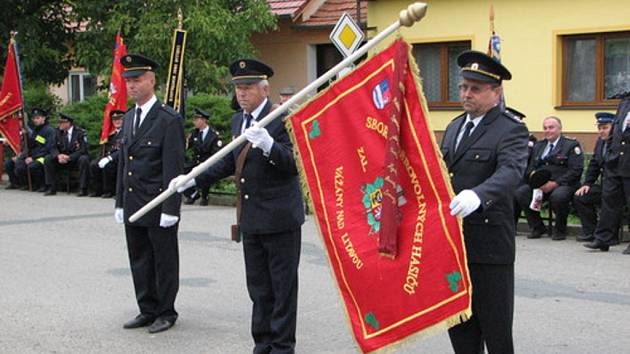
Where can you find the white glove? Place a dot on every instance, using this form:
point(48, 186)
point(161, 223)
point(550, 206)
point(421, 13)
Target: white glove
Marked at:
point(178, 179)
point(168, 220)
point(104, 161)
point(537, 199)
point(260, 138)
point(119, 216)
point(464, 203)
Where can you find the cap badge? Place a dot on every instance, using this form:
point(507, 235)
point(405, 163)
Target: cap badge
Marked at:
point(242, 64)
point(475, 66)
point(128, 59)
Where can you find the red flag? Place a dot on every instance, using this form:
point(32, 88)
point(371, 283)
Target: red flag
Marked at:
point(117, 90)
point(377, 184)
point(11, 100)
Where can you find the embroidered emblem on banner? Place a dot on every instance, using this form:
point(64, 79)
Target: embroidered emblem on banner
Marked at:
point(372, 201)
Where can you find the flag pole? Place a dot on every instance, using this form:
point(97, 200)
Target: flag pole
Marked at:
point(24, 116)
point(414, 13)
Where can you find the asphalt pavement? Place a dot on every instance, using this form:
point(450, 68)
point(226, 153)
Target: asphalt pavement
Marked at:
point(65, 287)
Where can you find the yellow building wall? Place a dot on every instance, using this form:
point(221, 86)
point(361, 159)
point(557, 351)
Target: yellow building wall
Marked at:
point(529, 32)
point(286, 50)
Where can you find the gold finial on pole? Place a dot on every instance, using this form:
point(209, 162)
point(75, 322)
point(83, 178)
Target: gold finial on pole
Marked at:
point(13, 34)
point(180, 19)
point(414, 13)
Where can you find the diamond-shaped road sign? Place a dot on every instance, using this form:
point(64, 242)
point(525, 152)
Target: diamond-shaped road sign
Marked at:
point(347, 35)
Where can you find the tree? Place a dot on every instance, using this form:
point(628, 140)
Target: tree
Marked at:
point(218, 33)
point(45, 28)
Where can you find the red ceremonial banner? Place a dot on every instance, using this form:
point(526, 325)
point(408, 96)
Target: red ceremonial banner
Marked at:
point(117, 90)
point(378, 188)
point(11, 100)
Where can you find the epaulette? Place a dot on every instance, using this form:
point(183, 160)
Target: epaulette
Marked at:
point(459, 116)
point(570, 138)
point(513, 116)
point(168, 109)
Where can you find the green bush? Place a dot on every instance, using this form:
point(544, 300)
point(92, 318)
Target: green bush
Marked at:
point(36, 94)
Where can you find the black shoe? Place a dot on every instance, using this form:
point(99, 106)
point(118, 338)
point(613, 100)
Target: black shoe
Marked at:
point(140, 321)
point(189, 201)
point(559, 236)
point(597, 245)
point(203, 202)
point(160, 325)
point(50, 192)
point(536, 233)
point(95, 195)
point(107, 195)
point(25, 188)
point(13, 186)
point(627, 250)
point(83, 193)
point(585, 238)
point(42, 189)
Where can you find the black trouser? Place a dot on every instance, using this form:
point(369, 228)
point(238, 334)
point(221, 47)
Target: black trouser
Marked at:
point(271, 266)
point(52, 165)
point(103, 180)
point(615, 195)
point(9, 168)
point(586, 207)
point(36, 170)
point(493, 312)
point(154, 261)
point(559, 200)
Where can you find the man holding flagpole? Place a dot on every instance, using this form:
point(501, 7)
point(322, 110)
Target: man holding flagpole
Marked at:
point(485, 151)
point(270, 209)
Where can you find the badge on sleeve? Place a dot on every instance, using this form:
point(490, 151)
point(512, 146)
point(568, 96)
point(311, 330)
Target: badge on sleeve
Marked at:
point(577, 150)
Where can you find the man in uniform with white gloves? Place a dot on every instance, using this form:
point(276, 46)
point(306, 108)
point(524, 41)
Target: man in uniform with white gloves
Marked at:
point(485, 151)
point(152, 154)
point(270, 210)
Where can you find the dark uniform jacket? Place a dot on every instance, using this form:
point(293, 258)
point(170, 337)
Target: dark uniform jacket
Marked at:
point(565, 162)
point(618, 158)
point(113, 144)
point(491, 162)
point(271, 199)
point(596, 165)
point(74, 148)
point(202, 149)
point(148, 162)
point(41, 141)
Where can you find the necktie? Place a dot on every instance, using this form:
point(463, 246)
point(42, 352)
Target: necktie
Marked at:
point(549, 151)
point(137, 121)
point(248, 120)
point(467, 130)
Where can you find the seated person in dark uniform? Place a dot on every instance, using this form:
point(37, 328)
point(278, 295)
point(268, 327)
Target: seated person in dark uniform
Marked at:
point(588, 197)
point(203, 142)
point(69, 152)
point(103, 170)
point(562, 157)
point(40, 142)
